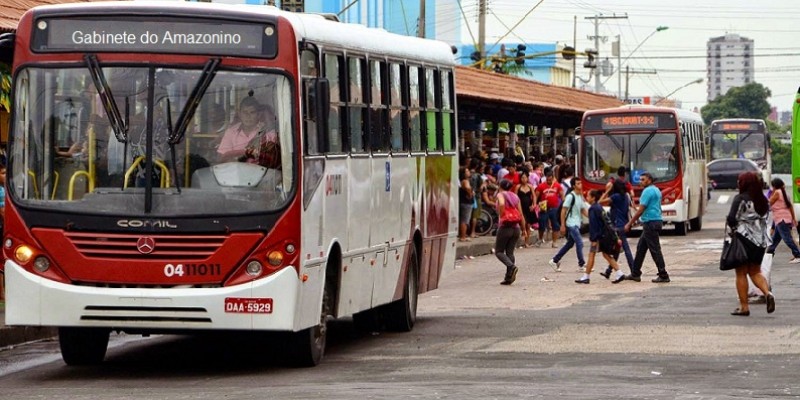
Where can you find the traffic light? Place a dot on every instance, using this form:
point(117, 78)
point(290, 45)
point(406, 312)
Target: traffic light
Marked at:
point(520, 60)
point(475, 56)
point(590, 54)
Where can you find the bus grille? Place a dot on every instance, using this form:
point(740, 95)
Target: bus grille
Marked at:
point(123, 246)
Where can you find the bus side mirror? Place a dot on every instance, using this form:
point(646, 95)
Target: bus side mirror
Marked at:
point(573, 146)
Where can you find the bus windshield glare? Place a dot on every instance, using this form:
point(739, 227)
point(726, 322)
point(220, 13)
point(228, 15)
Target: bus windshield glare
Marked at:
point(655, 153)
point(168, 141)
point(750, 145)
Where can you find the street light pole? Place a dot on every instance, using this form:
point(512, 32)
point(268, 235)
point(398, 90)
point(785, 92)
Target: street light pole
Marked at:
point(698, 80)
point(619, 44)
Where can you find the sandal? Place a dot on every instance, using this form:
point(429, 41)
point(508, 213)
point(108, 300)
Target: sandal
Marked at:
point(770, 303)
point(741, 313)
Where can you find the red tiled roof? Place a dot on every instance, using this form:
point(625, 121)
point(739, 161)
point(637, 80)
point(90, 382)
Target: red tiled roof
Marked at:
point(13, 10)
point(490, 86)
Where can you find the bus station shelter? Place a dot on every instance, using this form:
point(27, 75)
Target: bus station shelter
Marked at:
point(499, 112)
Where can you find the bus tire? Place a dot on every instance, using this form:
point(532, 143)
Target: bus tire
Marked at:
point(307, 347)
point(401, 315)
point(696, 223)
point(680, 228)
point(367, 321)
point(83, 346)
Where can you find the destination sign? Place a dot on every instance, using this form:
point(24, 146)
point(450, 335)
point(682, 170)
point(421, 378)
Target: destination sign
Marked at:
point(131, 35)
point(649, 121)
point(738, 126)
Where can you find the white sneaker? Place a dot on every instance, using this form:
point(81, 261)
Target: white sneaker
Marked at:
point(554, 265)
point(795, 260)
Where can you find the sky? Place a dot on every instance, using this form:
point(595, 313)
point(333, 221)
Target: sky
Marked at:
point(677, 54)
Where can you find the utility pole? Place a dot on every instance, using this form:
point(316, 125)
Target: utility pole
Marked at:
point(421, 32)
point(629, 71)
point(574, 46)
point(482, 29)
point(596, 38)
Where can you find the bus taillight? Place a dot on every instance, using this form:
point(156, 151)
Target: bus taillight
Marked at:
point(670, 194)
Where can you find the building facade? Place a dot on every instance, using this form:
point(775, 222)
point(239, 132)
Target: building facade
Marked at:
point(730, 63)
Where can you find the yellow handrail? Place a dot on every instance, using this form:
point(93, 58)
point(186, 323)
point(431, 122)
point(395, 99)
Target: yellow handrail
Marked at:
point(35, 185)
point(75, 176)
point(55, 185)
point(164, 172)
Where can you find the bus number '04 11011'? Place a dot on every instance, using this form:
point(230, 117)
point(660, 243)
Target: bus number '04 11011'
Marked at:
point(171, 270)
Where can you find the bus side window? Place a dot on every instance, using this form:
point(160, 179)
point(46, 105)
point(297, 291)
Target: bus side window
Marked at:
point(333, 72)
point(414, 118)
point(309, 67)
point(356, 107)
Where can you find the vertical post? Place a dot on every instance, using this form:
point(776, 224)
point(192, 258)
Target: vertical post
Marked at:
point(627, 80)
point(482, 29)
point(574, 46)
point(619, 66)
point(421, 31)
point(597, 57)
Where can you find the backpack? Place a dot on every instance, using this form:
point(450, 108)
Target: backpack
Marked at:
point(610, 242)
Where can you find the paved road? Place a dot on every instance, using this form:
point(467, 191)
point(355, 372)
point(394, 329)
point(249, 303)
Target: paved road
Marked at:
point(477, 339)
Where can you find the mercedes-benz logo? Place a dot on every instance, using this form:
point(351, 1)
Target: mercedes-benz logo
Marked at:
point(146, 245)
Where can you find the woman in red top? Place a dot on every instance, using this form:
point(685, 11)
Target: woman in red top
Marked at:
point(549, 195)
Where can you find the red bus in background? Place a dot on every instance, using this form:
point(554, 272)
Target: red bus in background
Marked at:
point(333, 198)
point(666, 142)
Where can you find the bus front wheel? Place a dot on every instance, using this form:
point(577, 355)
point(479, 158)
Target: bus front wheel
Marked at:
point(308, 346)
point(83, 346)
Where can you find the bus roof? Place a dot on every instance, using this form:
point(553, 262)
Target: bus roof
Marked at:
point(683, 115)
point(313, 27)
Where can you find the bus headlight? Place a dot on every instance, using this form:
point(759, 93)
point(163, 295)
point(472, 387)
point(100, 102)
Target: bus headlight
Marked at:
point(23, 254)
point(41, 264)
point(254, 268)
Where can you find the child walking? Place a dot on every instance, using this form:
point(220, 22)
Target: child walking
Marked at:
point(597, 229)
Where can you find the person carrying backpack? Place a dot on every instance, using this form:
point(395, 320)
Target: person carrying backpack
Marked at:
point(618, 198)
point(603, 238)
point(574, 206)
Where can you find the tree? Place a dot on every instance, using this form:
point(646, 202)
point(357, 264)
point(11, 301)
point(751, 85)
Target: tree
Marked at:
point(5, 87)
point(748, 101)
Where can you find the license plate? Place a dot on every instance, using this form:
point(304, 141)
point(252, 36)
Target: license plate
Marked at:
point(247, 305)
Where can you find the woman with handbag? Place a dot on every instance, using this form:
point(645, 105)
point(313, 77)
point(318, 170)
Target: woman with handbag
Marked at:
point(747, 219)
point(509, 211)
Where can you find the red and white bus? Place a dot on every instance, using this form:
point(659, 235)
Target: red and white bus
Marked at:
point(666, 142)
point(124, 213)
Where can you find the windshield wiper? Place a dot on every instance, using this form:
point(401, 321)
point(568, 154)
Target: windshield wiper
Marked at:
point(119, 126)
point(172, 147)
point(745, 137)
point(646, 142)
point(615, 141)
point(209, 71)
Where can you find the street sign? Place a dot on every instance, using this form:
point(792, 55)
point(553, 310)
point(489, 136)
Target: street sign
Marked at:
point(638, 100)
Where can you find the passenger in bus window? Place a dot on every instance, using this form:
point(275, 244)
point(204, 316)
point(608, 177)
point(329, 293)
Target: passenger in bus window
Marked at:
point(254, 137)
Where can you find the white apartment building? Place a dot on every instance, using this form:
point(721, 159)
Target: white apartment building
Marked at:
point(730, 63)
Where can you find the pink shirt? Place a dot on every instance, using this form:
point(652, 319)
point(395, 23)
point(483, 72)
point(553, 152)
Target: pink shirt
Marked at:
point(781, 213)
point(237, 139)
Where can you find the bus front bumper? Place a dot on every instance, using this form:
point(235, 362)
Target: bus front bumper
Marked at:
point(34, 301)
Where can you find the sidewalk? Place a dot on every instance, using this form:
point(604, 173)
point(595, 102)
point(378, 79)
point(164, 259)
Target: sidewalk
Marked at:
point(12, 335)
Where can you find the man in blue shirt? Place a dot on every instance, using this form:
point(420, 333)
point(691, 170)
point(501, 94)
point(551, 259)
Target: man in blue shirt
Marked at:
point(649, 212)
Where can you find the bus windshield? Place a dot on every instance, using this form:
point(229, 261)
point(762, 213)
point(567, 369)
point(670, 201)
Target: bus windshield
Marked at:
point(156, 139)
point(750, 145)
point(655, 153)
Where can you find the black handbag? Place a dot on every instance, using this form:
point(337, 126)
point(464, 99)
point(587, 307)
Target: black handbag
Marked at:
point(734, 253)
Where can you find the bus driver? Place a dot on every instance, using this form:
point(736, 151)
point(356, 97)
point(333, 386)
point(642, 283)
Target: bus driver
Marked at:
point(247, 140)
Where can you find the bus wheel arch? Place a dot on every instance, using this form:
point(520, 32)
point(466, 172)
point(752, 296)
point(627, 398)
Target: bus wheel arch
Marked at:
point(401, 315)
point(307, 347)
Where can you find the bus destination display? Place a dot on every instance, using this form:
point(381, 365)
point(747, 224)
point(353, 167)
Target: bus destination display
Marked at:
point(611, 122)
point(203, 37)
point(738, 126)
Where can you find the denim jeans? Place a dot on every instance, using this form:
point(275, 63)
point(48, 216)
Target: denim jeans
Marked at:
point(573, 238)
point(783, 231)
point(649, 241)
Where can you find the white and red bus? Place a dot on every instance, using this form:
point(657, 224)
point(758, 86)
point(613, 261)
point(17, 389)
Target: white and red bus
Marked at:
point(666, 142)
point(124, 214)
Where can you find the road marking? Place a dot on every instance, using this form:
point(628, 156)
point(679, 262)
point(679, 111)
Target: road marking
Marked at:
point(723, 199)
